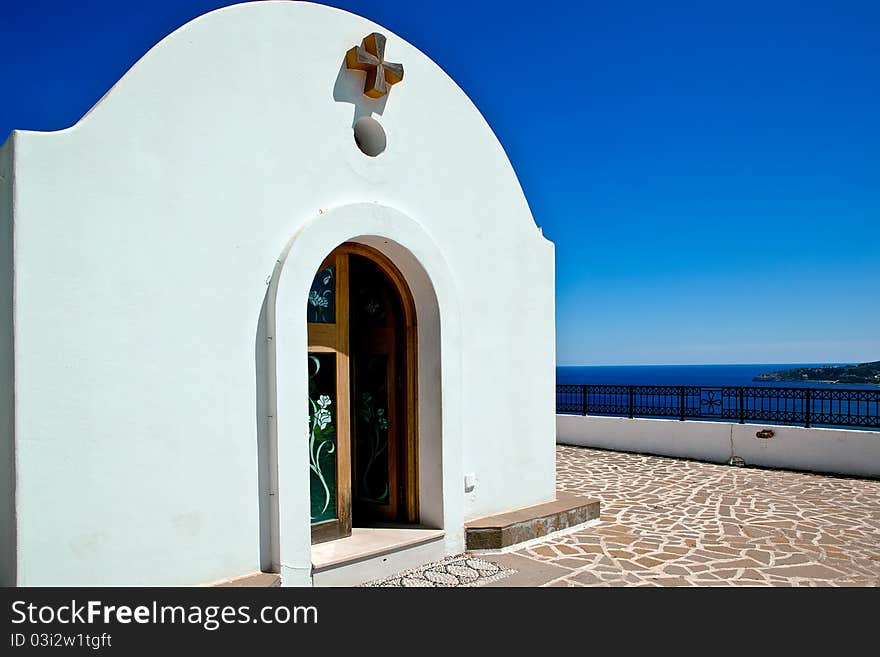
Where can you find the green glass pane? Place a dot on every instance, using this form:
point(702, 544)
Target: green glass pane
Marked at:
point(369, 294)
point(371, 388)
point(322, 436)
point(322, 297)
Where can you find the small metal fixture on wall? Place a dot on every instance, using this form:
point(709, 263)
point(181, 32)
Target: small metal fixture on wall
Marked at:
point(765, 433)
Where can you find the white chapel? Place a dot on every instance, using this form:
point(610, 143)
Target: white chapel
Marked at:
point(276, 303)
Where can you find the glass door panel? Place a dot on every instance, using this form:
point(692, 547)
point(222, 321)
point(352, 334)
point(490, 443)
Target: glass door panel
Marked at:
point(322, 297)
point(329, 428)
point(375, 323)
point(322, 436)
point(373, 421)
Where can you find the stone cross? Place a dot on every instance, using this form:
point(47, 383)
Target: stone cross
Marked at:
point(370, 57)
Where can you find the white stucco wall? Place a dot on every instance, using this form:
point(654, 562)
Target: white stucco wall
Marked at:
point(838, 451)
point(7, 375)
point(706, 441)
point(152, 237)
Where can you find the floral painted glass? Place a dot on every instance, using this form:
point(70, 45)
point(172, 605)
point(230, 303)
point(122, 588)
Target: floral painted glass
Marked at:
point(371, 386)
point(322, 436)
point(322, 297)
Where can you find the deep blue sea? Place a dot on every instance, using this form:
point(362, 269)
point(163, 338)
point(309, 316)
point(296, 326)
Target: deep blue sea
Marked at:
point(683, 375)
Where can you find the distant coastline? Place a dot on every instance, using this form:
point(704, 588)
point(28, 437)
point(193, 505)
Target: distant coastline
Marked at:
point(861, 373)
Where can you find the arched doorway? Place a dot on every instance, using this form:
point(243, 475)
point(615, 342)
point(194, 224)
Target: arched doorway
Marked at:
point(438, 499)
point(362, 394)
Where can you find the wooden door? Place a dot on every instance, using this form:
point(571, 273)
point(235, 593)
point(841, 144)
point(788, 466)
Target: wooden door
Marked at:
point(378, 424)
point(362, 394)
point(329, 407)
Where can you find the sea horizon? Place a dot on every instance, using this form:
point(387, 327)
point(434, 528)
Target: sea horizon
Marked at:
point(738, 374)
point(815, 364)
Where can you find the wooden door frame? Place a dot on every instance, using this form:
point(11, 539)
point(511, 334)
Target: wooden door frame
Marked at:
point(323, 338)
point(333, 338)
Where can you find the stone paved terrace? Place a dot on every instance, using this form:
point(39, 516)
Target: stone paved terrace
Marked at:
point(674, 522)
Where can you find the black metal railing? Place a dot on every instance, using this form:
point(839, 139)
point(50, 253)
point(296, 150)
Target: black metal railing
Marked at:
point(838, 407)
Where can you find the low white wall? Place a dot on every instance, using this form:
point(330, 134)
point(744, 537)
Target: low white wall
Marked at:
point(706, 441)
point(839, 451)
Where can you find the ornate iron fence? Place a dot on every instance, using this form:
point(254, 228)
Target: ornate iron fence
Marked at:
point(840, 407)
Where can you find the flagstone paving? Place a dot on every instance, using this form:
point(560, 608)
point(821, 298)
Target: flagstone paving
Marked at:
point(674, 522)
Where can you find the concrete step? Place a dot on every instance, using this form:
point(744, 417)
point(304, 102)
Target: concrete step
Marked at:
point(253, 580)
point(512, 527)
point(373, 553)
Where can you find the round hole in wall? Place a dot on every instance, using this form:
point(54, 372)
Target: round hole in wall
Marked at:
point(369, 136)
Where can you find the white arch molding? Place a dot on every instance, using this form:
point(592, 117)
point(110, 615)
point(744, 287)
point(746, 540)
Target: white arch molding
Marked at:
point(285, 536)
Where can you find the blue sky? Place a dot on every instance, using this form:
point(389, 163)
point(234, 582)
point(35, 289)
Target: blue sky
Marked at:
point(710, 172)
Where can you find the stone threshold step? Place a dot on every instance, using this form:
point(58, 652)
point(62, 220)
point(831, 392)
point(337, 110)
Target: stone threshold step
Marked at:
point(255, 580)
point(367, 542)
point(505, 529)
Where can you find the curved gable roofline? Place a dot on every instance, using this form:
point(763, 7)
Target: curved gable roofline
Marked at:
point(197, 35)
point(206, 21)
